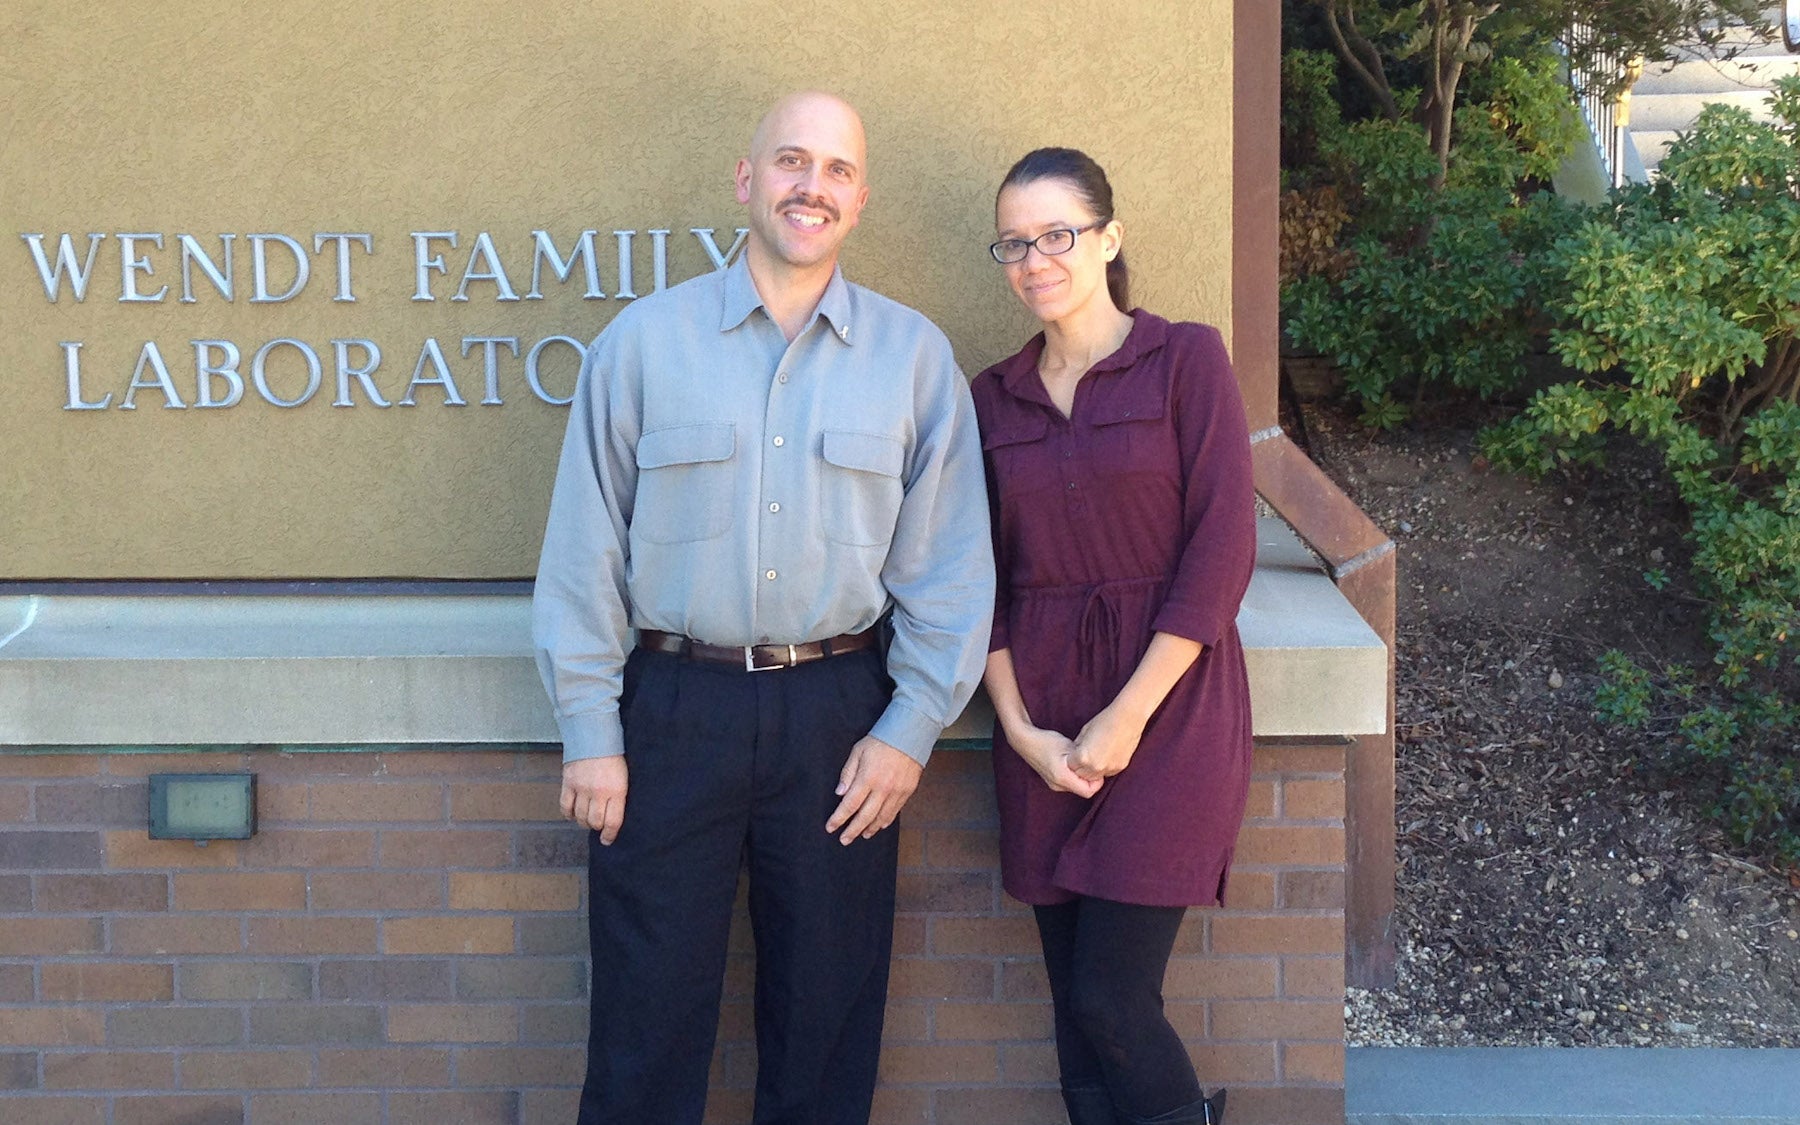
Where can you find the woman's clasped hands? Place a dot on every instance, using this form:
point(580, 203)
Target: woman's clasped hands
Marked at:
point(1049, 753)
point(1079, 765)
point(1105, 744)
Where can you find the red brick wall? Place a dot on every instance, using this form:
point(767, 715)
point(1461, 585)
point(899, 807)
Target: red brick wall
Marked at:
point(403, 941)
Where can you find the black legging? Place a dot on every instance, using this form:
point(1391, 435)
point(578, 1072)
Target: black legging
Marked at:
point(1106, 962)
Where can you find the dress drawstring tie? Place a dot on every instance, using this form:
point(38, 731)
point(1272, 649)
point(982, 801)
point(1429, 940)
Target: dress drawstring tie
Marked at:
point(1097, 636)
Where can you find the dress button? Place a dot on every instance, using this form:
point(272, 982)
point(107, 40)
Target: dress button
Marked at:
point(769, 574)
point(774, 507)
point(780, 441)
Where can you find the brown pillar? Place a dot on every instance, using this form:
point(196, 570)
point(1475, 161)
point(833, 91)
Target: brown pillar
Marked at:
point(1255, 212)
point(1360, 555)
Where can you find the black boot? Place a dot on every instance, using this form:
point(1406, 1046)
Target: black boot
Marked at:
point(1206, 1111)
point(1089, 1105)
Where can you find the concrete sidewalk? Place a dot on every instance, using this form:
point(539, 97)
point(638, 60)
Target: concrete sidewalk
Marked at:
point(1558, 1086)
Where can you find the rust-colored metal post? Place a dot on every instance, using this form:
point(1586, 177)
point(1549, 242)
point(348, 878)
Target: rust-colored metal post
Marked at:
point(1369, 800)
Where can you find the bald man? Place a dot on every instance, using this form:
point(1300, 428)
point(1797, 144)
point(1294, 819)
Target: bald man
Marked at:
point(772, 476)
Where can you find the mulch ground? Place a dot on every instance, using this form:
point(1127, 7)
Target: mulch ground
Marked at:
point(1555, 886)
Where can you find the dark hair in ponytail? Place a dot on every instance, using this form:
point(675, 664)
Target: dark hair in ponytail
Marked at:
point(1079, 171)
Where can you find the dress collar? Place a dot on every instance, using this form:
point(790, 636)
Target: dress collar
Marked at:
point(1019, 375)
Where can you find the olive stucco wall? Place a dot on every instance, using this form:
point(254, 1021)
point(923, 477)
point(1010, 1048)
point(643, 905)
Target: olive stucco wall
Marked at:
point(207, 118)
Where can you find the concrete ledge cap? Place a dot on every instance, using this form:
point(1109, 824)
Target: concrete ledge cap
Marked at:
point(347, 670)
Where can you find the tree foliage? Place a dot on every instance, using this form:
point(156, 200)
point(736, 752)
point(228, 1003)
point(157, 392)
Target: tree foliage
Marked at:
point(1387, 45)
point(1417, 135)
point(1431, 281)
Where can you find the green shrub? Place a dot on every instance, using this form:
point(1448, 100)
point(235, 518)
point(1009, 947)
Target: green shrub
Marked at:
point(1444, 282)
point(1738, 746)
point(1683, 303)
point(1624, 695)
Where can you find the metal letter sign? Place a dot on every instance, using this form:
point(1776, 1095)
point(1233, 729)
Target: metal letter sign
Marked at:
point(287, 372)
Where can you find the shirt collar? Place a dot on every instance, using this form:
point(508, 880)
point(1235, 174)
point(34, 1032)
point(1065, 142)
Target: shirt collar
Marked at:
point(741, 299)
point(740, 295)
point(1019, 374)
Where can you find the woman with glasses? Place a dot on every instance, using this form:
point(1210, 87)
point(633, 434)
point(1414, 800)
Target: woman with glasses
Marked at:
point(1124, 531)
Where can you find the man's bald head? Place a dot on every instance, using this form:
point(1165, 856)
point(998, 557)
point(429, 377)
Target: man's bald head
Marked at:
point(807, 109)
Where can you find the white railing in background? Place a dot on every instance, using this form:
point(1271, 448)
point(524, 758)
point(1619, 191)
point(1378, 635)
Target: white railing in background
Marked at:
point(1602, 83)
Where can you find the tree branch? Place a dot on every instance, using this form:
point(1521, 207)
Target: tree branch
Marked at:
point(1782, 367)
point(1449, 50)
point(1375, 80)
point(1363, 45)
point(1788, 385)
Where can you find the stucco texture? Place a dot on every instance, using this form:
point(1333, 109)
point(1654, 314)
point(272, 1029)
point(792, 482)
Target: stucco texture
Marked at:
point(205, 117)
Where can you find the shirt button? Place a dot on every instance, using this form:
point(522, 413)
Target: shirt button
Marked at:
point(769, 574)
point(780, 441)
point(1071, 486)
point(781, 378)
point(774, 507)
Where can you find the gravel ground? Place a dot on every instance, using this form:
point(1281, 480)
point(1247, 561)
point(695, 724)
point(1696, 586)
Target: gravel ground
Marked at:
point(1554, 888)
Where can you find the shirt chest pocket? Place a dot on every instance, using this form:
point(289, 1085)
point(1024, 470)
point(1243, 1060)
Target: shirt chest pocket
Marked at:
point(859, 487)
point(1020, 463)
point(1131, 437)
point(684, 483)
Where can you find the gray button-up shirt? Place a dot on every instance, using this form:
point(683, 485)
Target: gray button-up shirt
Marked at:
point(721, 482)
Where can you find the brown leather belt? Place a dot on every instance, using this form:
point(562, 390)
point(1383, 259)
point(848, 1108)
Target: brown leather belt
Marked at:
point(755, 658)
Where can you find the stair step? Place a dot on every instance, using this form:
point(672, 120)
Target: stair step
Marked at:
point(1670, 96)
point(1651, 112)
point(1705, 76)
point(1747, 47)
point(1749, 44)
point(1652, 145)
point(1571, 1086)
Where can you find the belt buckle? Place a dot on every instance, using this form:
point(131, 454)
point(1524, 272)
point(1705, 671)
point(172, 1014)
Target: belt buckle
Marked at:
point(750, 664)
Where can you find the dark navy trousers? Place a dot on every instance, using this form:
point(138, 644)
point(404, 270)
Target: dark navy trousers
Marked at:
point(731, 768)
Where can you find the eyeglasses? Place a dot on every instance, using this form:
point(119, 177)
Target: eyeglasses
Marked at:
point(1059, 241)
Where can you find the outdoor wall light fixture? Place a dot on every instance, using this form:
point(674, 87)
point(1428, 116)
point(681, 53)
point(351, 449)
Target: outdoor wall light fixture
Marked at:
point(202, 806)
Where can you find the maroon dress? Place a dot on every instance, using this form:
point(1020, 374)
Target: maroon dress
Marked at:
point(1134, 516)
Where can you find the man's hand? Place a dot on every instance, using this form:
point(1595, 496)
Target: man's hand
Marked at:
point(593, 794)
point(876, 781)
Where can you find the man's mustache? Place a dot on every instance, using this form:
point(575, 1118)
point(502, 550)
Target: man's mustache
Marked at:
point(816, 203)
